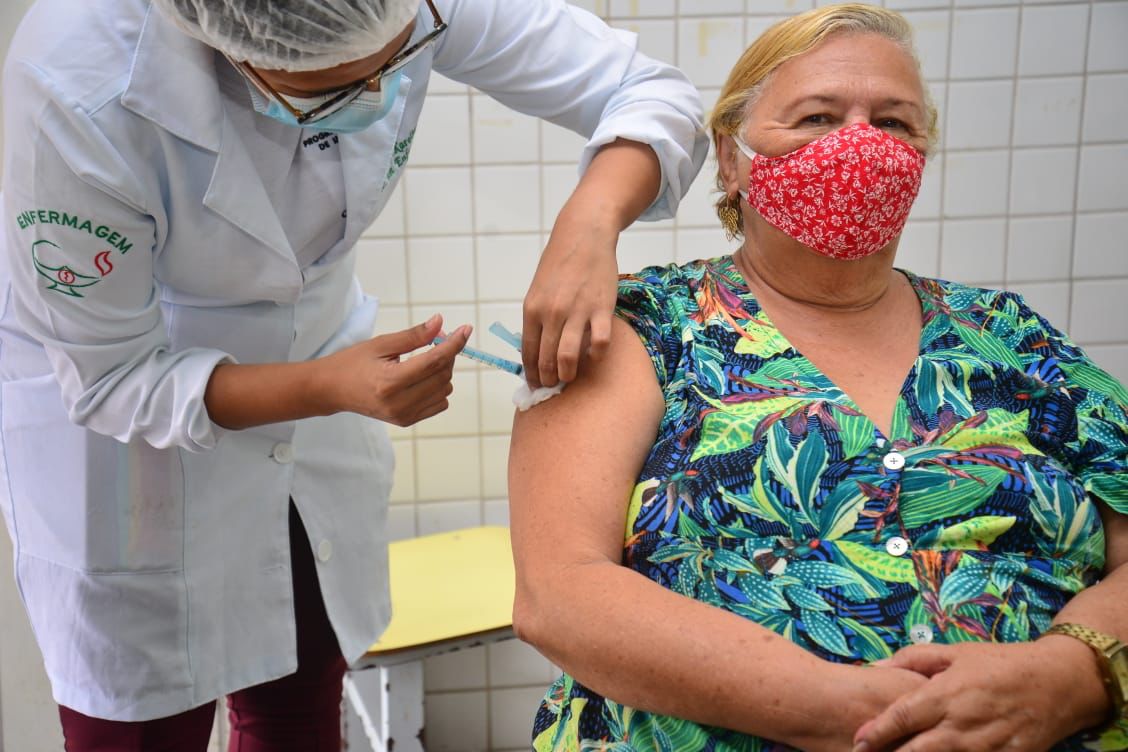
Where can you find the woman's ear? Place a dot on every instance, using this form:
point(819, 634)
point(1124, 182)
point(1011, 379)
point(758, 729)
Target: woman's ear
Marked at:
point(732, 165)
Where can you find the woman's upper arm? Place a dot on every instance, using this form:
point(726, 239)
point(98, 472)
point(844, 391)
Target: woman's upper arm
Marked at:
point(574, 460)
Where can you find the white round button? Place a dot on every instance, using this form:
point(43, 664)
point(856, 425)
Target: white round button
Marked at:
point(896, 546)
point(324, 550)
point(282, 453)
point(920, 634)
point(893, 461)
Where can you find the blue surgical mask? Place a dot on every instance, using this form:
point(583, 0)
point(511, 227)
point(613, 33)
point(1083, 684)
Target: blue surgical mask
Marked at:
point(357, 115)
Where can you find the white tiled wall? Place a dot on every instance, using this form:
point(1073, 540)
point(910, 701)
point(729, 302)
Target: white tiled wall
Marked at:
point(1029, 192)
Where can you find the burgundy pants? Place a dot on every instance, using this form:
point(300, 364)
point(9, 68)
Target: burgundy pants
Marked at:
point(297, 713)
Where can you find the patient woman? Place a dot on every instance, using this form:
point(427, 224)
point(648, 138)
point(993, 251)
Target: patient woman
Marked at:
point(807, 499)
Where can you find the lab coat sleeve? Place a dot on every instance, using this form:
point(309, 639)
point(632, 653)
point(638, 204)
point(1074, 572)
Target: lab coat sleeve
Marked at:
point(558, 62)
point(80, 234)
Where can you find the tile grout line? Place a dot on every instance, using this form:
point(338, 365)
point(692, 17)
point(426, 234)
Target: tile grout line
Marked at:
point(477, 303)
point(943, 155)
point(1068, 324)
point(1010, 144)
point(405, 189)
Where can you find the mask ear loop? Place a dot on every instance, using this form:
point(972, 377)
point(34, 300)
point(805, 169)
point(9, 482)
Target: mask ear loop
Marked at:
point(744, 147)
point(747, 151)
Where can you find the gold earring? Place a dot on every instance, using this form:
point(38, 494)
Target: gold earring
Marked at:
point(731, 218)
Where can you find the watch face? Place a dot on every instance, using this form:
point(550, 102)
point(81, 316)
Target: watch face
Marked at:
point(1118, 666)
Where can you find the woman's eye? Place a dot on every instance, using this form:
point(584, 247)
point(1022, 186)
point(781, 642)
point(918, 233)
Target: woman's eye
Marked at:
point(816, 120)
point(892, 124)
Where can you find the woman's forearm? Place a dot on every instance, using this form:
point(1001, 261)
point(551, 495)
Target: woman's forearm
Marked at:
point(647, 647)
point(1103, 607)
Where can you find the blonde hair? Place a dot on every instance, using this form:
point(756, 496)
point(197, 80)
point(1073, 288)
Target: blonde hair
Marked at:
point(792, 37)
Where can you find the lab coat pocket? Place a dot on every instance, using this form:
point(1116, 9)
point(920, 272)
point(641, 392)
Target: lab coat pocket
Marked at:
point(99, 633)
point(83, 500)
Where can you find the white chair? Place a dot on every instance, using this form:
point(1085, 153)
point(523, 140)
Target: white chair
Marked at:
point(450, 591)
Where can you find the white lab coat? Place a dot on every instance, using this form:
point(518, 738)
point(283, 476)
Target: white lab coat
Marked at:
point(139, 251)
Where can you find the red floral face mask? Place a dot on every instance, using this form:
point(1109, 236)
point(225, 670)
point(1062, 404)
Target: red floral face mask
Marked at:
point(845, 195)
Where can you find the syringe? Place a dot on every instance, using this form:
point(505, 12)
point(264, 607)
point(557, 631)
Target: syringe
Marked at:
point(490, 360)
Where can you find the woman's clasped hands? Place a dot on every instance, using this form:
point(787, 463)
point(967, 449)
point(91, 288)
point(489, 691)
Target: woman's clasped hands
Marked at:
point(983, 697)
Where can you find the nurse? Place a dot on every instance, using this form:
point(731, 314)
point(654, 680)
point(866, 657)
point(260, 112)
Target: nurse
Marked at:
point(194, 469)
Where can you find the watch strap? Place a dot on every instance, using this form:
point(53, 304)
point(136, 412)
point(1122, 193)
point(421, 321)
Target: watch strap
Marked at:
point(1106, 646)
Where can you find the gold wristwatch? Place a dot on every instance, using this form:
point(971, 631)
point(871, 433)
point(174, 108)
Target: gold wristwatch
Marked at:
point(1113, 657)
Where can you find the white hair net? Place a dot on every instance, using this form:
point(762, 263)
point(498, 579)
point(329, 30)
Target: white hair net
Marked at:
point(293, 35)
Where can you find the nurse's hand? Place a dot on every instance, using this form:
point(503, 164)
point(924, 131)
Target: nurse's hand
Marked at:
point(570, 302)
point(370, 378)
point(568, 308)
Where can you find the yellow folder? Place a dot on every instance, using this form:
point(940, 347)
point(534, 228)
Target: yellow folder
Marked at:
point(448, 586)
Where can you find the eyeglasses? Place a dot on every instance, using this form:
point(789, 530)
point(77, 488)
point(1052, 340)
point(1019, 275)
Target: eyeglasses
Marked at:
point(349, 93)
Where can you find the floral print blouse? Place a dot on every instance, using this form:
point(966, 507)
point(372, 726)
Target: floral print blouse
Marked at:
point(769, 494)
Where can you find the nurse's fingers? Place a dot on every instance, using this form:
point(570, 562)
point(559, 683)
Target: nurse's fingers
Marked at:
point(425, 399)
point(430, 411)
point(530, 349)
point(438, 358)
point(399, 343)
point(573, 343)
point(600, 334)
point(546, 364)
point(371, 379)
point(404, 400)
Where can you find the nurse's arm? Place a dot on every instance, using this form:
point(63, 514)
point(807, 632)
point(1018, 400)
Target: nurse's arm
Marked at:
point(643, 121)
point(573, 463)
point(569, 304)
point(368, 378)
